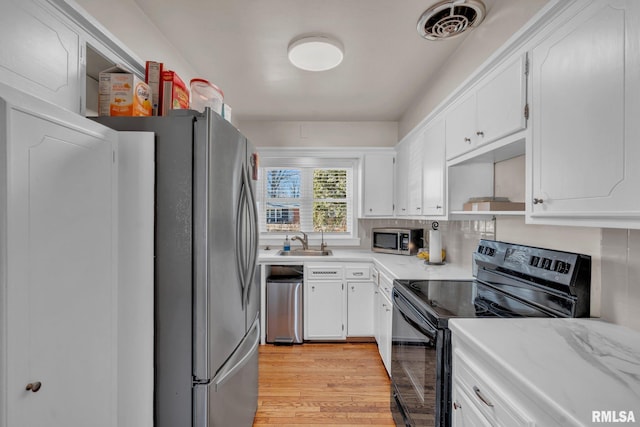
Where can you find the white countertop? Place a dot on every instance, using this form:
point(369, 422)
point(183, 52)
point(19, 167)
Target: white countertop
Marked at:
point(397, 266)
point(575, 365)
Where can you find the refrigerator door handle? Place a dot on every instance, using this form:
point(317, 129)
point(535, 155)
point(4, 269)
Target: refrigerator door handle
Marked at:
point(240, 245)
point(239, 357)
point(253, 235)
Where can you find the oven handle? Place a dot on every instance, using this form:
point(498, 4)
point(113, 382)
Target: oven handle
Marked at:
point(412, 316)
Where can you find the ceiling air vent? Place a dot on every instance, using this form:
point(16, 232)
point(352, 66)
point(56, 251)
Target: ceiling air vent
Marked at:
point(451, 18)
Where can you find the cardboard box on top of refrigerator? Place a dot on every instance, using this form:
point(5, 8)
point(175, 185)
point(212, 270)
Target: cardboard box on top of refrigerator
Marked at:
point(175, 94)
point(153, 77)
point(122, 93)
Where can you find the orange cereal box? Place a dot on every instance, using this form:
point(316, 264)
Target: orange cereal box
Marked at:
point(121, 93)
point(175, 94)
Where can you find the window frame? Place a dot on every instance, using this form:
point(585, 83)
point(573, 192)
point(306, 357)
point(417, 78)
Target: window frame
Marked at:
point(328, 159)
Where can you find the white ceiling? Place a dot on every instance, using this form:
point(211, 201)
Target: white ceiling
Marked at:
point(241, 46)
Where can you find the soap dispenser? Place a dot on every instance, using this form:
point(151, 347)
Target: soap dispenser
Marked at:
point(287, 244)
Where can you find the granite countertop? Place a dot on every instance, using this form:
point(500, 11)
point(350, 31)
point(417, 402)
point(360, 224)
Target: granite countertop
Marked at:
point(396, 266)
point(575, 365)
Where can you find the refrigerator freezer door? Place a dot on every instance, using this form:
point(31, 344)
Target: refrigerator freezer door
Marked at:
point(231, 398)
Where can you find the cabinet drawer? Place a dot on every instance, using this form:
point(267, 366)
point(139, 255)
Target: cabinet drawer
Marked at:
point(357, 272)
point(323, 272)
point(486, 395)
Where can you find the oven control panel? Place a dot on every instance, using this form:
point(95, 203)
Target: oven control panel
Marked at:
point(546, 264)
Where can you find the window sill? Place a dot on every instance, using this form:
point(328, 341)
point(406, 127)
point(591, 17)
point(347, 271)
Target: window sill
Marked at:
point(313, 242)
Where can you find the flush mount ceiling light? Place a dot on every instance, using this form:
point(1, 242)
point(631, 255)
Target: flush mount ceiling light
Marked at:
point(450, 18)
point(315, 53)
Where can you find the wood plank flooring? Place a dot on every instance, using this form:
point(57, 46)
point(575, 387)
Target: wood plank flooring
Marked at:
point(322, 384)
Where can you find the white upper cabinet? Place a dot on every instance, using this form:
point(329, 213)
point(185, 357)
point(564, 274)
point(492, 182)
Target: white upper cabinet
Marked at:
point(501, 103)
point(433, 177)
point(39, 54)
point(409, 176)
point(378, 184)
point(584, 153)
point(461, 127)
point(414, 176)
point(402, 179)
point(493, 110)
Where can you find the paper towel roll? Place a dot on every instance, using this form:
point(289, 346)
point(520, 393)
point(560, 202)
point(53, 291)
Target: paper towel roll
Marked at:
point(435, 246)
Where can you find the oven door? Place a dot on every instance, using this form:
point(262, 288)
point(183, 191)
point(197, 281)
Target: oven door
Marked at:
point(418, 362)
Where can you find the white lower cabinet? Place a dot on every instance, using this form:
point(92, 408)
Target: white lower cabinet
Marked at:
point(58, 287)
point(360, 309)
point(360, 300)
point(383, 318)
point(325, 305)
point(465, 411)
point(479, 400)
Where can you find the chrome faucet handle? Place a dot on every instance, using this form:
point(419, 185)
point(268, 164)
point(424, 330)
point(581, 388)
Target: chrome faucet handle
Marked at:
point(323, 245)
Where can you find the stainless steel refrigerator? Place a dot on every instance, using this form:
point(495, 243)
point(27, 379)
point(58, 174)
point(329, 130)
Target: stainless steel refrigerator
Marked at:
point(207, 326)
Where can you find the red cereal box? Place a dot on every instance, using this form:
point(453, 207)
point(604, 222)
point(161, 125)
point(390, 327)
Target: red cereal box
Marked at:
point(175, 94)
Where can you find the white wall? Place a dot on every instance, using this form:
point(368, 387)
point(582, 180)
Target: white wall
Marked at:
point(621, 277)
point(475, 49)
point(320, 134)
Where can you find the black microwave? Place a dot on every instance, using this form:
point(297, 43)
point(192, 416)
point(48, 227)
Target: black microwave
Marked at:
point(400, 241)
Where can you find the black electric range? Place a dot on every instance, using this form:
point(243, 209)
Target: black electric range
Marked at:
point(510, 280)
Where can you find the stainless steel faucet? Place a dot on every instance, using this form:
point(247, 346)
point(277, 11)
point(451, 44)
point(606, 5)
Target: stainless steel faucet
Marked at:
point(304, 240)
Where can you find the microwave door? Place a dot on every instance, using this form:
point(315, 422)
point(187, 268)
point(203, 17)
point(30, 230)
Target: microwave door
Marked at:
point(388, 241)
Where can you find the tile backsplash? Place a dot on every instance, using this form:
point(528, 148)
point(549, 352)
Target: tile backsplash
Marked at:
point(620, 297)
point(615, 255)
point(459, 238)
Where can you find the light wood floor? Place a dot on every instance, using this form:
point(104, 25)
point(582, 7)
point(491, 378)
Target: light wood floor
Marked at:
point(322, 384)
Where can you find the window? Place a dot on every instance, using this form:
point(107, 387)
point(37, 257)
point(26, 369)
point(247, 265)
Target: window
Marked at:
point(310, 195)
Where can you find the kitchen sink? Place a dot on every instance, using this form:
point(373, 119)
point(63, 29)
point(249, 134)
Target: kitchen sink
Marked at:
point(306, 252)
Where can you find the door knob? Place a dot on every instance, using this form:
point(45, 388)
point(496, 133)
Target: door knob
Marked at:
point(467, 140)
point(34, 387)
point(537, 201)
point(480, 133)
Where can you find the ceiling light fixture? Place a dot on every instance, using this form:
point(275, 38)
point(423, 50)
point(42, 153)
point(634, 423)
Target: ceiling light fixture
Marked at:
point(315, 53)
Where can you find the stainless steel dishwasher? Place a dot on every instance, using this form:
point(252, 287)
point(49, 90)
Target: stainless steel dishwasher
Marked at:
point(284, 305)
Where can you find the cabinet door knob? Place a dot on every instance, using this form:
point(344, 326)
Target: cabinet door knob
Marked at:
point(456, 405)
point(34, 387)
point(438, 207)
point(480, 133)
point(370, 209)
point(537, 201)
point(467, 140)
point(313, 288)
